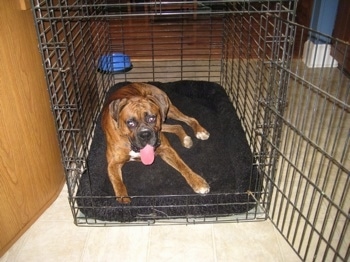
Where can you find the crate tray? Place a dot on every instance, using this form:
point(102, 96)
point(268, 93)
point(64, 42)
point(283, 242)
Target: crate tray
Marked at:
point(158, 191)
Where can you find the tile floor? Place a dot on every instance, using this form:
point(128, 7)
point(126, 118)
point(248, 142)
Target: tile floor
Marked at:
point(54, 237)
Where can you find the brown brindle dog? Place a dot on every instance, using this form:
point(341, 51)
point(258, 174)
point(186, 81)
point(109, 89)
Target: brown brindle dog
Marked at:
point(132, 121)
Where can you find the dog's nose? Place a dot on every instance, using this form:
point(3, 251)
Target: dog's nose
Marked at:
point(145, 134)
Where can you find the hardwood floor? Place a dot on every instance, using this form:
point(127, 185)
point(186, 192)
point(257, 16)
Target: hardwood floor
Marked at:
point(178, 37)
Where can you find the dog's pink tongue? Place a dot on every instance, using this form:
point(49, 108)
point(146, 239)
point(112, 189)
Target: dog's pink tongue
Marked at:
point(147, 155)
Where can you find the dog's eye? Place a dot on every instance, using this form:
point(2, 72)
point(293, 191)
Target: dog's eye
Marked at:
point(151, 118)
point(131, 123)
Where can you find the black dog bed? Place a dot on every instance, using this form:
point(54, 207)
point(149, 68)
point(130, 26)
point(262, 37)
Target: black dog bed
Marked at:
point(160, 192)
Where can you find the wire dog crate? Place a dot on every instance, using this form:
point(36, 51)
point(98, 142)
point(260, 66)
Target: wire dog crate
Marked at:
point(288, 84)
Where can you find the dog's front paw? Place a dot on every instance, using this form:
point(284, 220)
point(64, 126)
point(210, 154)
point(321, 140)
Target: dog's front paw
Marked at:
point(201, 186)
point(203, 135)
point(124, 200)
point(187, 142)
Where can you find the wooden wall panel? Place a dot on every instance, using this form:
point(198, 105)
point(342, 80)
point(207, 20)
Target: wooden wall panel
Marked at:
point(31, 174)
point(341, 30)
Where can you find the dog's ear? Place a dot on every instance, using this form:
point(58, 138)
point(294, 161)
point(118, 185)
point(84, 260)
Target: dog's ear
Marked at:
point(163, 102)
point(115, 107)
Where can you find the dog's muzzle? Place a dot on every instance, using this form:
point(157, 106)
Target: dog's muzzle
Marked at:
point(145, 136)
point(146, 142)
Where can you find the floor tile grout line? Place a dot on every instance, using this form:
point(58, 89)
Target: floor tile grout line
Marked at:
point(83, 251)
point(149, 243)
point(214, 242)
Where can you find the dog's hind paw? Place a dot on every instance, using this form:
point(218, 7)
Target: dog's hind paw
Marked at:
point(203, 190)
point(204, 135)
point(187, 142)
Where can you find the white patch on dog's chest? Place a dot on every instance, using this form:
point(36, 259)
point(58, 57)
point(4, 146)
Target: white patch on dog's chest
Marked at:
point(134, 156)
